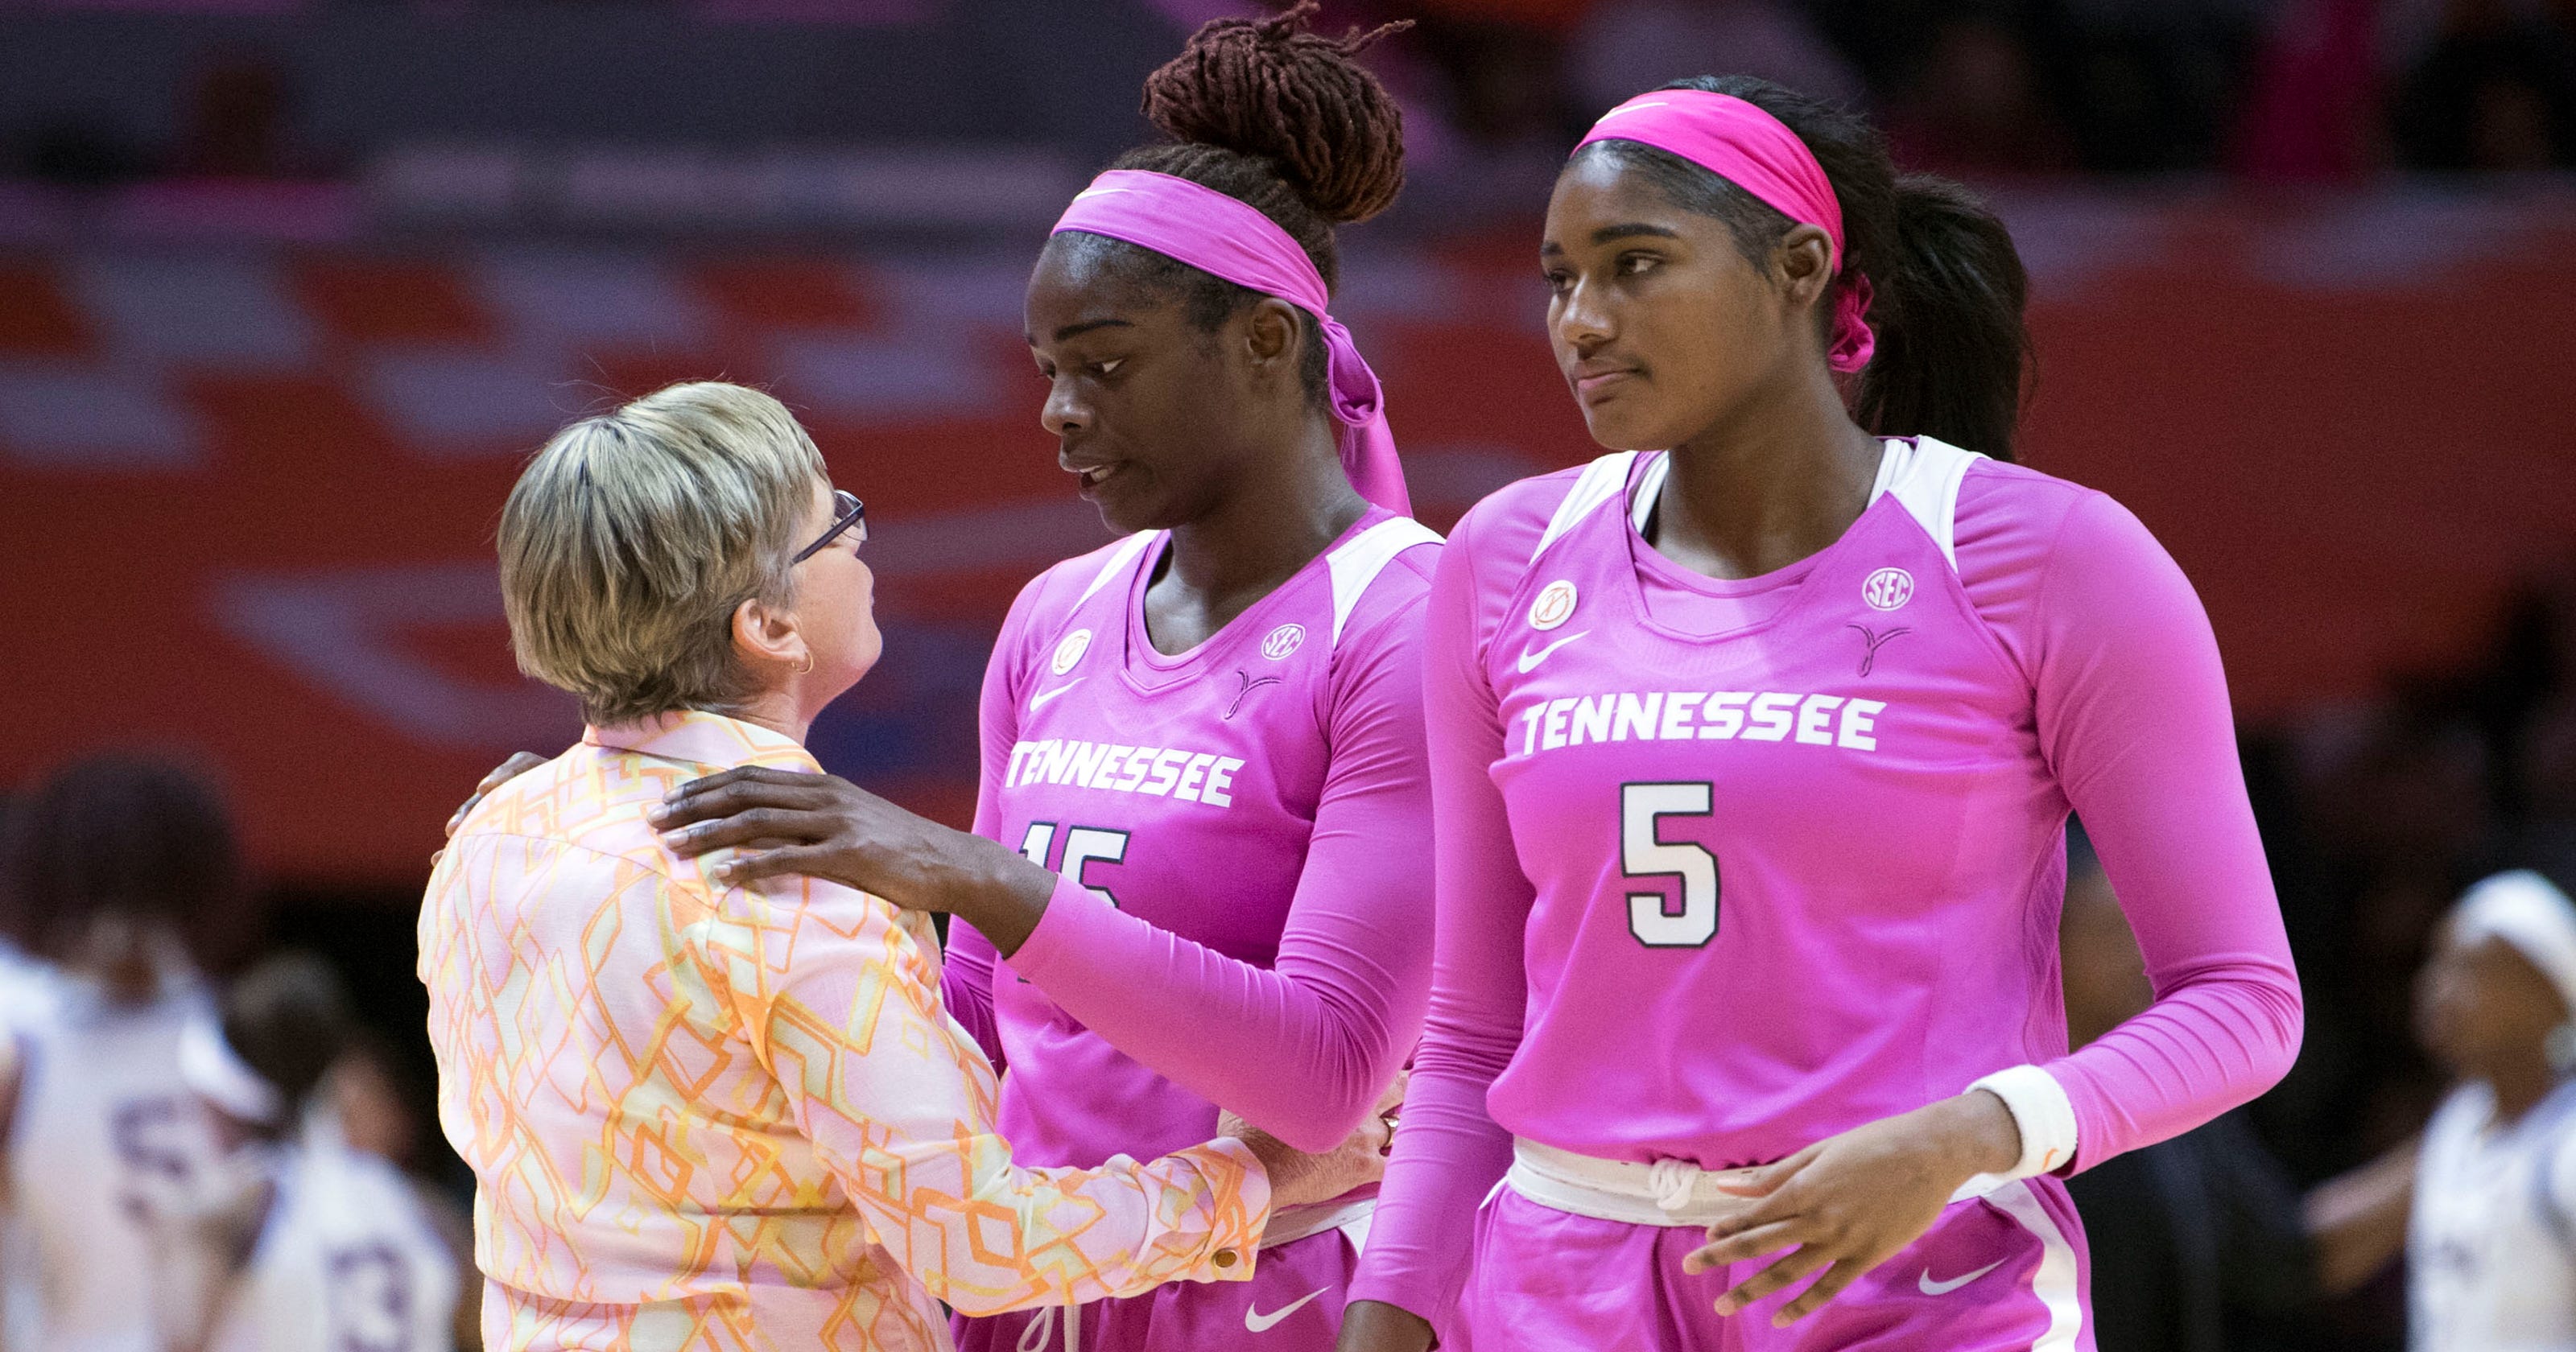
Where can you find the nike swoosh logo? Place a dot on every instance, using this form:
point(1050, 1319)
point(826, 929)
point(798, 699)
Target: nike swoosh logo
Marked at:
point(1530, 659)
point(1930, 1287)
point(1258, 1322)
point(1039, 699)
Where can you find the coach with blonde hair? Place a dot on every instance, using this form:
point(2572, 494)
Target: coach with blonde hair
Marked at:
point(712, 1116)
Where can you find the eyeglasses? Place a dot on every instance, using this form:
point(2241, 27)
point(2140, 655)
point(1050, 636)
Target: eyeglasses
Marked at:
point(847, 513)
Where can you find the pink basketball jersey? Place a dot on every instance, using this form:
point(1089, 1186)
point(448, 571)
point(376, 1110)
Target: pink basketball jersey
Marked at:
point(1727, 867)
point(1791, 875)
point(1181, 789)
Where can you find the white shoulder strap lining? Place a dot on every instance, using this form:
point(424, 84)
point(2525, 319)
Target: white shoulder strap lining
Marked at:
point(1355, 565)
point(1925, 477)
point(1599, 483)
point(1117, 563)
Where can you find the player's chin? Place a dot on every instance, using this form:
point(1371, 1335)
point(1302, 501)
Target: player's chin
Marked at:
point(1129, 502)
point(1624, 425)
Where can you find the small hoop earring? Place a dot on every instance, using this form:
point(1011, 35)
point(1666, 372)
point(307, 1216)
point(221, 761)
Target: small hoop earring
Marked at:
point(808, 668)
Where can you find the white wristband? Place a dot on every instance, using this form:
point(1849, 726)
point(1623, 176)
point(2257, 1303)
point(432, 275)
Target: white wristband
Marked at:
point(2041, 1112)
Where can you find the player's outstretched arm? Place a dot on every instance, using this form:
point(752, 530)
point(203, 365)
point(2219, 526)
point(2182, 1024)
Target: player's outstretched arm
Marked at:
point(1301, 1047)
point(842, 1006)
point(824, 826)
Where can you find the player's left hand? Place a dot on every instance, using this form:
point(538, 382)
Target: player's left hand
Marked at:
point(1850, 1202)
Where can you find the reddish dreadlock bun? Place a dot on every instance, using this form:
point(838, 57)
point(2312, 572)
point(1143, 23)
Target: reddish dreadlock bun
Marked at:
point(1270, 90)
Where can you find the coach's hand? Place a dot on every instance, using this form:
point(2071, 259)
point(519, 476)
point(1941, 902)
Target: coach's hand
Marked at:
point(1850, 1202)
point(519, 763)
point(1300, 1179)
point(823, 826)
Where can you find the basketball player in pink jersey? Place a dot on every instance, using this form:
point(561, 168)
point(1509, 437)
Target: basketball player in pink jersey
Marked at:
point(1203, 756)
point(1751, 761)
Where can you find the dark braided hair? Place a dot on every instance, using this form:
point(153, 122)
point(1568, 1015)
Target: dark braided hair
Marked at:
point(1282, 120)
point(1947, 286)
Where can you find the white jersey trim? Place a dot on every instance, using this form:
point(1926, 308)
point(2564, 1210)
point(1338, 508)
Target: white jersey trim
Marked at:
point(2054, 1282)
point(1355, 565)
point(1600, 481)
point(1117, 562)
point(1925, 476)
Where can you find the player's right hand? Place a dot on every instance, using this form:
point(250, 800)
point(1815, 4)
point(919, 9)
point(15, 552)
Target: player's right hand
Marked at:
point(519, 763)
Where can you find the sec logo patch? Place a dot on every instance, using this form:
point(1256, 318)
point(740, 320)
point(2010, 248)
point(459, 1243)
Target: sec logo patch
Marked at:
point(1554, 606)
point(1888, 588)
point(1283, 640)
point(1071, 650)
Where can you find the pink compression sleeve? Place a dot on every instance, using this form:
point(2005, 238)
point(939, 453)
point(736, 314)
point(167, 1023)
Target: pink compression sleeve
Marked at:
point(1301, 1049)
point(966, 983)
point(1449, 1152)
point(2134, 719)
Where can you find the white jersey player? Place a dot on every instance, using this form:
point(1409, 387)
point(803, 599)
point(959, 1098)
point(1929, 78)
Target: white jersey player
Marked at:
point(330, 1250)
point(2491, 1244)
point(109, 858)
point(106, 1157)
point(346, 1260)
point(26, 991)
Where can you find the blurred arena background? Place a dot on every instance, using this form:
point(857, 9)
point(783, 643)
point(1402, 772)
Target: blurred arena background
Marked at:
point(288, 288)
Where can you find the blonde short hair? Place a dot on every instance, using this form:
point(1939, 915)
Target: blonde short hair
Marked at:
point(630, 540)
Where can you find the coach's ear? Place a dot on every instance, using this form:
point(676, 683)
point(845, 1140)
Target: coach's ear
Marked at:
point(768, 639)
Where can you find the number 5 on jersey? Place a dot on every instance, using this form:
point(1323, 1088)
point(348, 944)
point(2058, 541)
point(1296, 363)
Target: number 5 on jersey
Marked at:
point(1644, 854)
point(1082, 845)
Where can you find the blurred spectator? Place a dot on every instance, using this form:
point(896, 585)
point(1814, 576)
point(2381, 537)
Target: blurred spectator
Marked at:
point(238, 122)
point(2497, 91)
point(106, 863)
point(1974, 108)
point(1626, 47)
point(2547, 781)
point(82, 153)
point(1507, 114)
point(2196, 1242)
point(2312, 108)
point(1504, 75)
point(315, 1246)
point(2149, 87)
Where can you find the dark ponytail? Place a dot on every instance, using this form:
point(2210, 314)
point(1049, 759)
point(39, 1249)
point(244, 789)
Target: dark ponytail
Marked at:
point(1947, 286)
point(1278, 118)
point(1951, 355)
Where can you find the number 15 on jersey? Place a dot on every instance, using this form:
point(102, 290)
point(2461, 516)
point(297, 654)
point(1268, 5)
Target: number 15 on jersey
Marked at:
point(1082, 845)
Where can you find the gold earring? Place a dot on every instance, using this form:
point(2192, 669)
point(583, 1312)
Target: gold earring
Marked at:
point(808, 668)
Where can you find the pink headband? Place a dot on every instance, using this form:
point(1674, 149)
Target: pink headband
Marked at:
point(1233, 240)
point(1754, 151)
